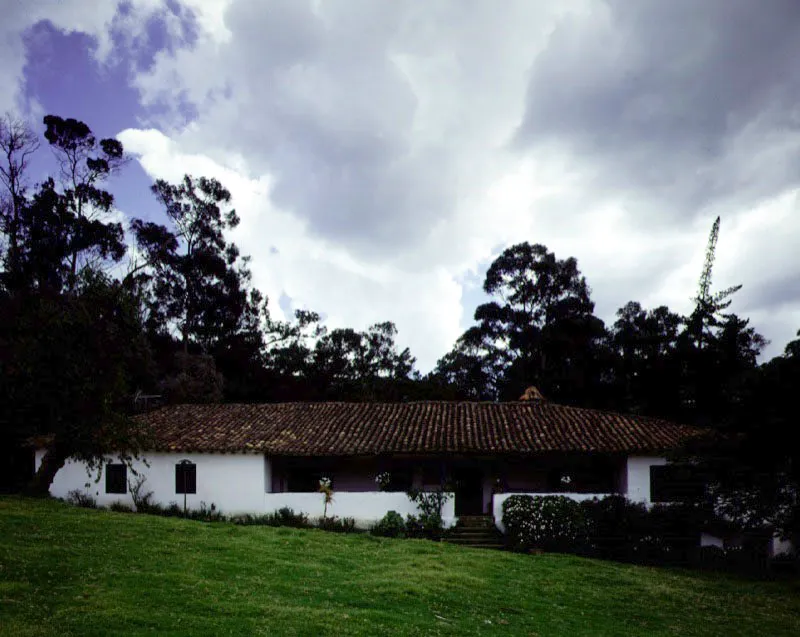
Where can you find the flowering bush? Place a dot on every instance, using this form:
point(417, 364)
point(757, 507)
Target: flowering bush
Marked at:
point(383, 480)
point(547, 522)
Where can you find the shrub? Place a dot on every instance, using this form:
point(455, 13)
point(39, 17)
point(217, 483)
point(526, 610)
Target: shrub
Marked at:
point(287, 517)
point(248, 519)
point(142, 499)
point(81, 499)
point(282, 517)
point(553, 523)
point(414, 527)
point(206, 513)
point(173, 509)
point(429, 503)
point(424, 526)
point(390, 525)
point(614, 526)
point(120, 507)
point(337, 525)
point(786, 563)
point(671, 534)
point(712, 557)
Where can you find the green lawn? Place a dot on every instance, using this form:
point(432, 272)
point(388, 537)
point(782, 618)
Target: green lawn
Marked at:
point(67, 571)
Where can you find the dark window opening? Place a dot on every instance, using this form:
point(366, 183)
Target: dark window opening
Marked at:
point(301, 481)
point(590, 476)
point(401, 480)
point(432, 473)
point(116, 478)
point(675, 483)
point(186, 478)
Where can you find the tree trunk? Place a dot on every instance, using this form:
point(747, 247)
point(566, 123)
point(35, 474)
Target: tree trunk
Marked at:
point(39, 486)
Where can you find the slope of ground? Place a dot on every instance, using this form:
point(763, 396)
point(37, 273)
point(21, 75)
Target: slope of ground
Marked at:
point(68, 571)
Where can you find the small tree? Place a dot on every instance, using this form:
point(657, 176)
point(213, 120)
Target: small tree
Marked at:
point(326, 490)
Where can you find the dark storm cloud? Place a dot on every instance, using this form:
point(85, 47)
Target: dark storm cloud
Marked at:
point(773, 294)
point(686, 102)
point(322, 108)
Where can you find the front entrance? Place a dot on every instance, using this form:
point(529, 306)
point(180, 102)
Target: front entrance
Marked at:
point(469, 491)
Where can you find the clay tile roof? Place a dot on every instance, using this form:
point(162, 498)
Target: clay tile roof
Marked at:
point(337, 428)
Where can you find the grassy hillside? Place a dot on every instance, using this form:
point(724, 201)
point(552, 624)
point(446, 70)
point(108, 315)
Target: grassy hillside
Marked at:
point(67, 571)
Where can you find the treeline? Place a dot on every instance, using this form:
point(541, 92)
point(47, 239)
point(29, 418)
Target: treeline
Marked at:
point(94, 313)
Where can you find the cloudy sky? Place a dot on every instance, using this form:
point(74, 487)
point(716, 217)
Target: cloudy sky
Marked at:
point(382, 153)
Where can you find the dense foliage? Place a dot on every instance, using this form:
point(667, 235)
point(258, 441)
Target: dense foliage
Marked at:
point(390, 525)
point(615, 528)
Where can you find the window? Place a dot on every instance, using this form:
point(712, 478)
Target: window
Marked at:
point(116, 478)
point(401, 480)
point(186, 478)
point(300, 480)
point(675, 483)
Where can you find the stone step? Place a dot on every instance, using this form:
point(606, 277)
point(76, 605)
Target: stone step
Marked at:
point(475, 521)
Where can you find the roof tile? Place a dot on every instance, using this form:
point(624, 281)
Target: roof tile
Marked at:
point(338, 428)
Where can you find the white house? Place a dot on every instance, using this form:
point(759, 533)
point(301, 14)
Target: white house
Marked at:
point(260, 458)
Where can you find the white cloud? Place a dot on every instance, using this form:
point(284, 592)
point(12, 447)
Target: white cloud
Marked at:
point(371, 145)
point(314, 273)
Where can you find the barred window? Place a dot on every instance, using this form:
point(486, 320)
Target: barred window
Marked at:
point(186, 478)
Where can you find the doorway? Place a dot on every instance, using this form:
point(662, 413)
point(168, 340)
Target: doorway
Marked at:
point(469, 491)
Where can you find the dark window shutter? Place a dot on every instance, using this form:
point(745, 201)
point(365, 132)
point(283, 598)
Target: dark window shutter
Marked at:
point(116, 478)
point(185, 478)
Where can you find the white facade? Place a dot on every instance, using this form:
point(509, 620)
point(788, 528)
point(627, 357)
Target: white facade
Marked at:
point(637, 479)
point(239, 483)
point(235, 484)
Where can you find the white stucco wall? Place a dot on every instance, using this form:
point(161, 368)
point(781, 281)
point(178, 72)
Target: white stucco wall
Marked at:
point(707, 539)
point(365, 507)
point(780, 547)
point(638, 477)
point(235, 483)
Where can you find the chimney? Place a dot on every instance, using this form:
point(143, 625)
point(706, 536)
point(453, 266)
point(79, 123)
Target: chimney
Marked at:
point(532, 394)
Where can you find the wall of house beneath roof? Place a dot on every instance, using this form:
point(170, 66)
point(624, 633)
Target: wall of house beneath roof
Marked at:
point(235, 483)
point(637, 478)
point(634, 484)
